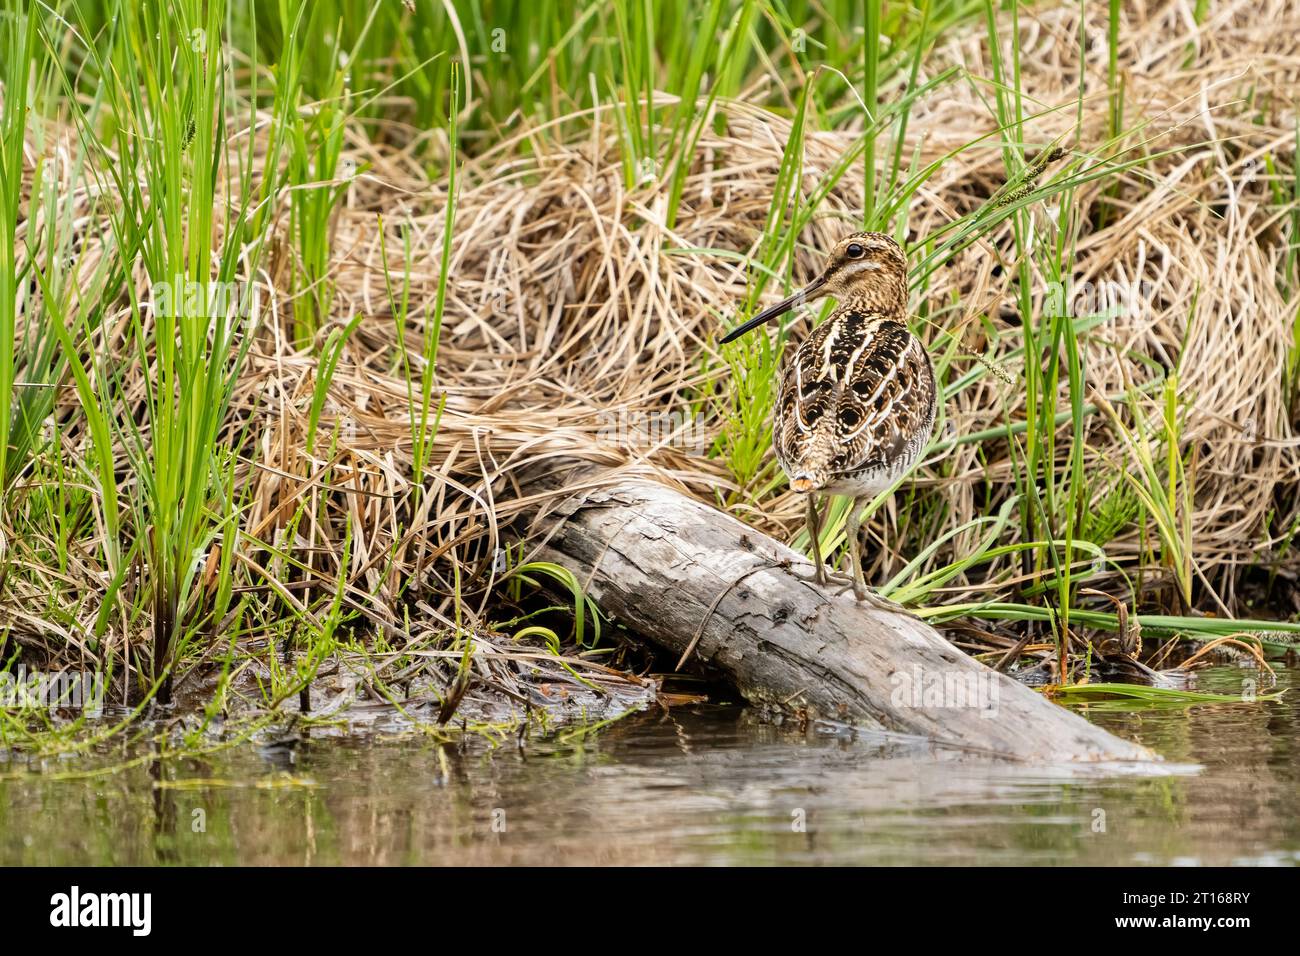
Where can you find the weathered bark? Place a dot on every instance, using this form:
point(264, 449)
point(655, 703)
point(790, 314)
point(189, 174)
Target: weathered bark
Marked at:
point(672, 569)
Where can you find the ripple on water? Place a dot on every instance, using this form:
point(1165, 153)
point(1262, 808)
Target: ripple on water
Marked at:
point(707, 784)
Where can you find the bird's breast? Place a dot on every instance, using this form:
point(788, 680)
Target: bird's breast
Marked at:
point(857, 397)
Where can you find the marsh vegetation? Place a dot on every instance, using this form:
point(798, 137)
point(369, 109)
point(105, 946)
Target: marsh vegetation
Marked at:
point(296, 297)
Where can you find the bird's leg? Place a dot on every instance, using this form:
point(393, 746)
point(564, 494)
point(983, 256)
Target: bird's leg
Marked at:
point(814, 520)
point(854, 531)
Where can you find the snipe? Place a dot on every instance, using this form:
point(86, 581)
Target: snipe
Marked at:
point(856, 403)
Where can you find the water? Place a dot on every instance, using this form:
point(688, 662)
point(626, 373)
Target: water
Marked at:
point(699, 785)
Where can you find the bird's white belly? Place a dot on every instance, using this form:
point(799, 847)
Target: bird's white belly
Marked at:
point(872, 481)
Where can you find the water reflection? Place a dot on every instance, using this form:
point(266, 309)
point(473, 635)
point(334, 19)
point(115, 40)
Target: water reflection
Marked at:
point(703, 785)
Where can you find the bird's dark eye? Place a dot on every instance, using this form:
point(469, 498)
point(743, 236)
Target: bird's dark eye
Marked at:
point(855, 251)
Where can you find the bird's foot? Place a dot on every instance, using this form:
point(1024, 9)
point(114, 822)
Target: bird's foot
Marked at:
point(819, 577)
point(872, 598)
point(862, 593)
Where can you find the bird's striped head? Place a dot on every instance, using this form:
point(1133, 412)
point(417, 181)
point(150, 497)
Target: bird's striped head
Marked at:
point(865, 271)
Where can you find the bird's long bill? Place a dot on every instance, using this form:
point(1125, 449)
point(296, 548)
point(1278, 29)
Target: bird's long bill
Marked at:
point(781, 308)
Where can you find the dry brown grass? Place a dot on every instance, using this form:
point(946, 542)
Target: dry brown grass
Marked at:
point(567, 299)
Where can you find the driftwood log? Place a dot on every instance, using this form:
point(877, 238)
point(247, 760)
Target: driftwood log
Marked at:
point(686, 576)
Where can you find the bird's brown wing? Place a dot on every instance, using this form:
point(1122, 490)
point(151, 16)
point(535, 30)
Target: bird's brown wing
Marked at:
point(861, 385)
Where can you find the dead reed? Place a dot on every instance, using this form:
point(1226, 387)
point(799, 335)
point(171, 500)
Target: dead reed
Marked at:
point(579, 307)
